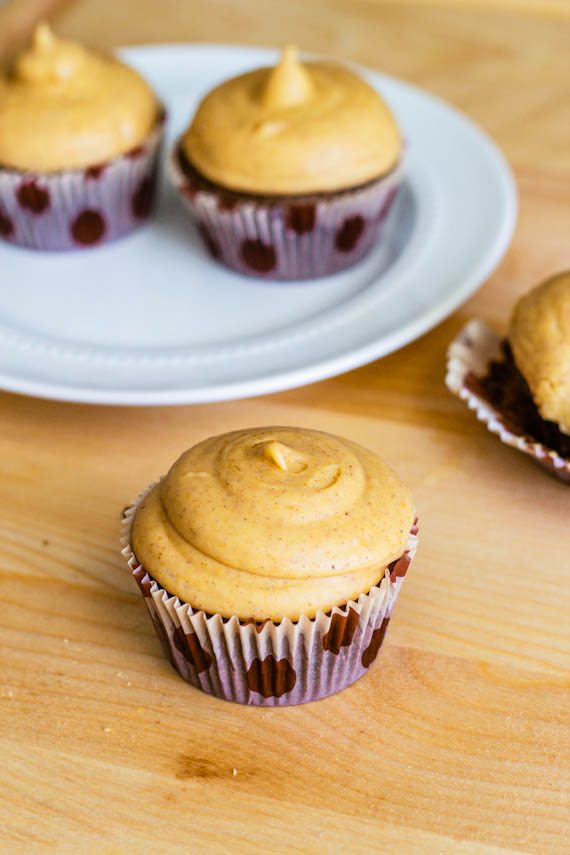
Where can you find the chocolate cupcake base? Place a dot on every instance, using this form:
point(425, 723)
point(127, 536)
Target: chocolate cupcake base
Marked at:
point(80, 208)
point(271, 664)
point(482, 372)
point(287, 238)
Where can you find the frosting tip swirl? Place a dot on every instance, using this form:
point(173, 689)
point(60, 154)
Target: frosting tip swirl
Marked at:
point(283, 456)
point(43, 37)
point(288, 84)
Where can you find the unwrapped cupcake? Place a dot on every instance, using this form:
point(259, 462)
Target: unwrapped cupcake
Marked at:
point(270, 561)
point(79, 142)
point(520, 386)
point(289, 172)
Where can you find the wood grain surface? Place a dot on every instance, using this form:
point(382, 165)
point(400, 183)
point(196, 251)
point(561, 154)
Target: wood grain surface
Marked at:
point(458, 740)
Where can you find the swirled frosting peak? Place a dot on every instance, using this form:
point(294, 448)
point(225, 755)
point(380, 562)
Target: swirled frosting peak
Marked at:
point(64, 107)
point(288, 84)
point(296, 128)
point(49, 59)
point(272, 522)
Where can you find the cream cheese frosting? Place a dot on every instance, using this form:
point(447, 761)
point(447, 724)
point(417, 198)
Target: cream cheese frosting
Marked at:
point(272, 522)
point(63, 107)
point(296, 128)
point(540, 340)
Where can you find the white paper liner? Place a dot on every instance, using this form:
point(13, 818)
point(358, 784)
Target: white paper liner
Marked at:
point(270, 664)
point(470, 354)
point(76, 209)
point(285, 252)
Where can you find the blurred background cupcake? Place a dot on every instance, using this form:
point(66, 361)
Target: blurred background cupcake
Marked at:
point(289, 172)
point(520, 386)
point(536, 380)
point(270, 560)
point(79, 139)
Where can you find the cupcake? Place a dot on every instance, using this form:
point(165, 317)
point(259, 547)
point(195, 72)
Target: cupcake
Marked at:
point(520, 386)
point(289, 172)
point(270, 561)
point(79, 141)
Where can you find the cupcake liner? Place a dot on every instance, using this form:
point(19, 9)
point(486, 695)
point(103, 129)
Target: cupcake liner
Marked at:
point(270, 664)
point(79, 208)
point(467, 360)
point(296, 237)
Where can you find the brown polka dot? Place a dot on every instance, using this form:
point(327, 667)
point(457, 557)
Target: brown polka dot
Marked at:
point(88, 228)
point(32, 197)
point(371, 651)
point(415, 527)
point(94, 172)
point(6, 227)
point(301, 218)
point(143, 198)
point(226, 202)
point(212, 244)
point(189, 190)
point(349, 234)
point(135, 152)
point(271, 677)
point(189, 646)
point(399, 567)
point(145, 585)
point(341, 632)
point(258, 256)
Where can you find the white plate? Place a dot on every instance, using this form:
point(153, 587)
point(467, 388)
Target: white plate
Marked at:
point(152, 320)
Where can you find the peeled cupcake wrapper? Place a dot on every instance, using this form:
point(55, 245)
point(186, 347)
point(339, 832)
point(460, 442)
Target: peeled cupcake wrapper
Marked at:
point(78, 208)
point(270, 664)
point(468, 357)
point(292, 238)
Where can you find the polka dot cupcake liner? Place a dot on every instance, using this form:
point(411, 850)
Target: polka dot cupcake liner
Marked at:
point(271, 664)
point(79, 208)
point(468, 359)
point(294, 238)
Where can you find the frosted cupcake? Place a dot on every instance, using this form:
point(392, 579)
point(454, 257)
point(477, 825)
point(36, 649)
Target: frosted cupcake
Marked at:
point(521, 386)
point(540, 347)
point(79, 141)
point(270, 560)
point(289, 172)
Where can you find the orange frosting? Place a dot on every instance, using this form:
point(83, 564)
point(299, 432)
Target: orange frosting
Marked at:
point(293, 129)
point(273, 522)
point(64, 107)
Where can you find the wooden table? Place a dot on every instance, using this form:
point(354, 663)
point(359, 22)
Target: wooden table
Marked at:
point(458, 740)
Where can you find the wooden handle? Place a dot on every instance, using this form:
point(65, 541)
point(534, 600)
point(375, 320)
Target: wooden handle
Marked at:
point(18, 19)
